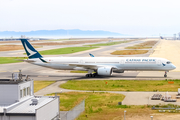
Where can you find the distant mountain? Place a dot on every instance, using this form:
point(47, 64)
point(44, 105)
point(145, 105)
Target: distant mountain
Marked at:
point(61, 33)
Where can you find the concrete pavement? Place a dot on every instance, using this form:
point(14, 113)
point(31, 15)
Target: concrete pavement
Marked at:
point(169, 49)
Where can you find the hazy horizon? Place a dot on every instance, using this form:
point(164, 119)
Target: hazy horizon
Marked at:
point(132, 17)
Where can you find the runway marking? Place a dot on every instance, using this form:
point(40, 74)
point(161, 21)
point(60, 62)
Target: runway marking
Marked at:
point(16, 71)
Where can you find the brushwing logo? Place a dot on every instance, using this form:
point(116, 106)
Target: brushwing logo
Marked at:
point(163, 64)
point(29, 51)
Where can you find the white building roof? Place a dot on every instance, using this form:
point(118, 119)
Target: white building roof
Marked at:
point(25, 107)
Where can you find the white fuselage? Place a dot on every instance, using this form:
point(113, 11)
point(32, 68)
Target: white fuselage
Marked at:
point(118, 63)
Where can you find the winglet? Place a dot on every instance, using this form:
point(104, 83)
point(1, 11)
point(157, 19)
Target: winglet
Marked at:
point(91, 55)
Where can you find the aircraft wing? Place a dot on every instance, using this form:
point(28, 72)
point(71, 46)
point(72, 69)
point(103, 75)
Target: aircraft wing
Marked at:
point(92, 66)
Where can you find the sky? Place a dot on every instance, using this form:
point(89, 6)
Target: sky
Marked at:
point(132, 17)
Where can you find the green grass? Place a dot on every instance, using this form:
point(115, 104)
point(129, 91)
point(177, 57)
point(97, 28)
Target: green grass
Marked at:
point(108, 43)
point(67, 50)
point(78, 71)
point(38, 85)
point(96, 104)
point(103, 106)
point(6, 60)
point(122, 85)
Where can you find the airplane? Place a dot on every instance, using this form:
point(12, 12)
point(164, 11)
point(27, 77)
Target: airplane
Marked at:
point(103, 66)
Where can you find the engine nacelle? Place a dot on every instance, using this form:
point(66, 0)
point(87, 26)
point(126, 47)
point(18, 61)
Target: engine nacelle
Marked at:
point(118, 71)
point(107, 71)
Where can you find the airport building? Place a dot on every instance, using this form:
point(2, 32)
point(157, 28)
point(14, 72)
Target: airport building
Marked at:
point(174, 36)
point(17, 102)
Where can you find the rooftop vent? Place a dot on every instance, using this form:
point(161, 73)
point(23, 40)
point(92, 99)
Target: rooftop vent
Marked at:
point(17, 76)
point(34, 101)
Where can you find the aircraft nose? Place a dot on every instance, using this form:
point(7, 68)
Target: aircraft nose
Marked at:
point(173, 66)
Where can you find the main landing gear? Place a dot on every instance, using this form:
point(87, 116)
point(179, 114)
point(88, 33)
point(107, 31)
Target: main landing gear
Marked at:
point(165, 75)
point(91, 75)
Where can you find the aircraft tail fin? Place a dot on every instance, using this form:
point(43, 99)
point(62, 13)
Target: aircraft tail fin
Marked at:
point(30, 51)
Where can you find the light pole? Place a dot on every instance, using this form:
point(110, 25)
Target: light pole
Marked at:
point(151, 117)
point(124, 114)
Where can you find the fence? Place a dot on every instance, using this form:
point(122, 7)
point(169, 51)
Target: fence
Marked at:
point(74, 112)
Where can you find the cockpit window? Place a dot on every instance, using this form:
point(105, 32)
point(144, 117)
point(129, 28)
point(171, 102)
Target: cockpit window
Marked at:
point(168, 62)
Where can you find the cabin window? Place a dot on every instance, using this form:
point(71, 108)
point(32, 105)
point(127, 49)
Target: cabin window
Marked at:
point(24, 91)
point(28, 91)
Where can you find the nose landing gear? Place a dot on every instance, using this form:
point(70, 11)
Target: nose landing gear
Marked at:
point(165, 75)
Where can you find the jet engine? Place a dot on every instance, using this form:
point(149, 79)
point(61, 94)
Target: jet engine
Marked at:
point(118, 71)
point(107, 71)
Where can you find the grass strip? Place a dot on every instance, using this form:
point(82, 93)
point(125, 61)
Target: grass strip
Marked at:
point(96, 104)
point(67, 50)
point(145, 45)
point(38, 85)
point(57, 39)
point(129, 52)
point(104, 106)
point(78, 71)
point(137, 47)
point(13, 47)
point(122, 85)
point(6, 60)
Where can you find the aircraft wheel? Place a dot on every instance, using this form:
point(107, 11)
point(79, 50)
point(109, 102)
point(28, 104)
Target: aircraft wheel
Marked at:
point(95, 74)
point(90, 75)
point(87, 75)
point(165, 75)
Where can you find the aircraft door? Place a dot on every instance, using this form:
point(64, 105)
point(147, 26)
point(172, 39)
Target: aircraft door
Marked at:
point(159, 62)
point(121, 62)
point(81, 61)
